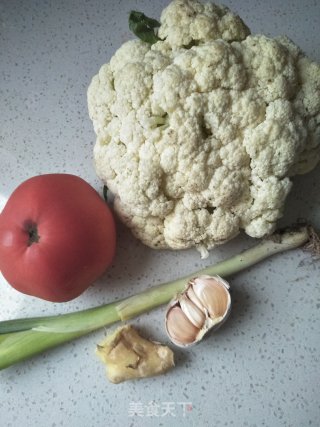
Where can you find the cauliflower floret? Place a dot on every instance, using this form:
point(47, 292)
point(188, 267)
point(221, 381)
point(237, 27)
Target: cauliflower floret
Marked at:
point(199, 133)
point(276, 143)
point(271, 67)
point(268, 197)
point(184, 22)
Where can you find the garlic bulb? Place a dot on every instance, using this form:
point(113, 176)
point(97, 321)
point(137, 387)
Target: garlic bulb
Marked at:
point(204, 304)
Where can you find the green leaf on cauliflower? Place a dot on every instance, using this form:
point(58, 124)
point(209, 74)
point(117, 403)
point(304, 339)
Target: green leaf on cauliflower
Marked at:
point(143, 27)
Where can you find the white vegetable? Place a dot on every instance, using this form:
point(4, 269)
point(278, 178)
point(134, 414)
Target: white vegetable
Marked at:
point(199, 134)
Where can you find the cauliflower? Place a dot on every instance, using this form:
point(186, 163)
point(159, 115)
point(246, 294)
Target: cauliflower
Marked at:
point(199, 133)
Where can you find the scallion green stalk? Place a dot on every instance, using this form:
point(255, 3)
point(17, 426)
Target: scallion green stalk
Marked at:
point(24, 338)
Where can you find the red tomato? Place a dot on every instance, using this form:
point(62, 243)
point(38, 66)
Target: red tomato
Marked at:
point(57, 236)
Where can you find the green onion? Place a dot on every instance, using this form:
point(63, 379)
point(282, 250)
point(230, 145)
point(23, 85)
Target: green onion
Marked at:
point(24, 338)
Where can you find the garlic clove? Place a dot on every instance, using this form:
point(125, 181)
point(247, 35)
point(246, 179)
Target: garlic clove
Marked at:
point(213, 294)
point(193, 297)
point(193, 313)
point(179, 328)
point(204, 305)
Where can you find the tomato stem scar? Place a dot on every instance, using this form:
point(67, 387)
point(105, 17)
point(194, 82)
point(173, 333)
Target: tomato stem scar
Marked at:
point(32, 231)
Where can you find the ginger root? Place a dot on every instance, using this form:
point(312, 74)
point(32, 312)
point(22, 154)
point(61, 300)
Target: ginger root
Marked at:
point(129, 356)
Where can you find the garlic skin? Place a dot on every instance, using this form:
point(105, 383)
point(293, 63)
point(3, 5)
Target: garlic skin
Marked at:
point(204, 305)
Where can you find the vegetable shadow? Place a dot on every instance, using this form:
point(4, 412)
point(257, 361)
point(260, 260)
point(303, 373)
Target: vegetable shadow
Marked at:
point(304, 199)
point(128, 268)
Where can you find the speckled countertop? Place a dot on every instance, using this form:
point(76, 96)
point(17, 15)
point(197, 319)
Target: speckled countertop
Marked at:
point(262, 368)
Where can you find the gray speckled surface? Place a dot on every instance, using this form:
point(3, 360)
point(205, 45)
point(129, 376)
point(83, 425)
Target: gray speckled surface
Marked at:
point(262, 368)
